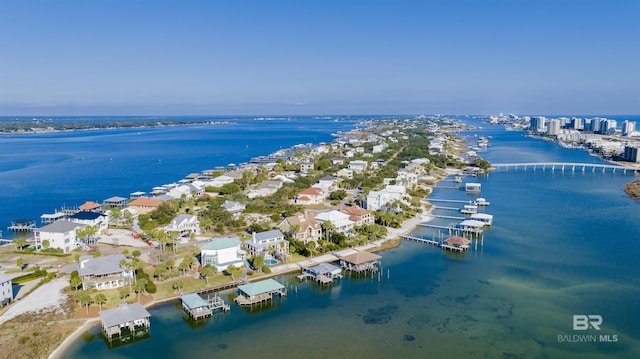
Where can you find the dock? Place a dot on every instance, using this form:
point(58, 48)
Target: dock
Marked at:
point(198, 308)
point(22, 225)
point(323, 273)
point(457, 244)
point(259, 292)
point(126, 322)
point(361, 262)
point(449, 200)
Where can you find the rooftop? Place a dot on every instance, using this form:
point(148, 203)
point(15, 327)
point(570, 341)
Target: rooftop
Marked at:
point(263, 286)
point(123, 314)
point(221, 243)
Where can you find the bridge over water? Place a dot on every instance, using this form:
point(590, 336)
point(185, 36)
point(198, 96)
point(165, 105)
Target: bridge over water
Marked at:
point(567, 166)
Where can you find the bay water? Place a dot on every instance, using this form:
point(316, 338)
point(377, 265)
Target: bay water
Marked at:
point(561, 245)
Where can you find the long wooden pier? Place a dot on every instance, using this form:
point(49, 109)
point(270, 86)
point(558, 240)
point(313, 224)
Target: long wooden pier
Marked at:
point(440, 244)
point(449, 200)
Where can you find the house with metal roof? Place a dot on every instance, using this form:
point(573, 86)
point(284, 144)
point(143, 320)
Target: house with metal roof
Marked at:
point(258, 292)
point(185, 225)
point(324, 273)
point(59, 234)
point(362, 261)
point(125, 320)
point(104, 272)
point(89, 218)
point(269, 243)
point(222, 252)
point(115, 202)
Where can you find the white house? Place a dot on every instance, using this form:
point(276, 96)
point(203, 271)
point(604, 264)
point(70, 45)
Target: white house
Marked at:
point(406, 178)
point(267, 243)
point(358, 166)
point(311, 195)
point(99, 220)
point(104, 272)
point(340, 220)
point(378, 199)
point(306, 167)
point(6, 290)
point(59, 234)
point(222, 252)
point(233, 207)
point(328, 184)
point(185, 224)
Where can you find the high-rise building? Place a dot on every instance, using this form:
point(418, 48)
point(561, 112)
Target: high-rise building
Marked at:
point(537, 124)
point(628, 128)
point(631, 153)
point(553, 127)
point(608, 126)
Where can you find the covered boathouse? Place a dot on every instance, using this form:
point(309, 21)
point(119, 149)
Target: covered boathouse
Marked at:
point(198, 308)
point(127, 321)
point(456, 244)
point(323, 273)
point(258, 292)
point(362, 261)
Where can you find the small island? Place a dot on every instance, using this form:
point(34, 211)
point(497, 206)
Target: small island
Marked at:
point(633, 189)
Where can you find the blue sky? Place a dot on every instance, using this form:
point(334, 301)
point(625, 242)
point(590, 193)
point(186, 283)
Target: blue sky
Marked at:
point(319, 57)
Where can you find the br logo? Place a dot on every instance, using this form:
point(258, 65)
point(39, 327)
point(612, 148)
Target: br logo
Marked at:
point(584, 322)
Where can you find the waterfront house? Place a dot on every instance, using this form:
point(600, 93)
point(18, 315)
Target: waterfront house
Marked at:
point(358, 166)
point(185, 225)
point(91, 206)
point(144, 205)
point(339, 220)
point(302, 226)
point(267, 243)
point(59, 234)
point(48, 218)
point(222, 252)
point(104, 272)
point(132, 318)
point(137, 194)
point(115, 202)
point(312, 195)
point(358, 215)
point(99, 220)
point(379, 199)
point(233, 207)
point(6, 290)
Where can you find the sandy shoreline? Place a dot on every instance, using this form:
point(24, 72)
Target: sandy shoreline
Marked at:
point(394, 233)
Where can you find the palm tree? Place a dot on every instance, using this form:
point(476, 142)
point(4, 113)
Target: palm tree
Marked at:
point(327, 227)
point(140, 286)
point(20, 263)
point(20, 243)
point(91, 231)
point(100, 298)
point(208, 271)
point(45, 244)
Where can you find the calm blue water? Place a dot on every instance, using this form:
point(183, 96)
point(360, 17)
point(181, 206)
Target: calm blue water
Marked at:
point(561, 245)
point(44, 172)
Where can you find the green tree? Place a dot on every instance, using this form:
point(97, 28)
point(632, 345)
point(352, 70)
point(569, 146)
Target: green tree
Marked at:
point(20, 263)
point(20, 243)
point(136, 253)
point(140, 286)
point(177, 285)
point(159, 271)
point(124, 292)
point(208, 271)
point(258, 262)
point(101, 299)
point(185, 265)
point(85, 299)
point(75, 281)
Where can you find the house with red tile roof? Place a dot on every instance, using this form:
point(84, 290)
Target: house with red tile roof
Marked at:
point(311, 195)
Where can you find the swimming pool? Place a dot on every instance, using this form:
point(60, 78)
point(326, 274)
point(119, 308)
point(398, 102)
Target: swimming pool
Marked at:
point(270, 261)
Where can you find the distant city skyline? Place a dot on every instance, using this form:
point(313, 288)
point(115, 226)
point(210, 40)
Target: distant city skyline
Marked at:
point(330, 57)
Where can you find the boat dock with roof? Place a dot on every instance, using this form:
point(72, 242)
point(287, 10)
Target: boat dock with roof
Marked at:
point(125, 322)
point(22, 225)
point(258, 292)
point(324, 273)
point(362, 261)
point(198, 308)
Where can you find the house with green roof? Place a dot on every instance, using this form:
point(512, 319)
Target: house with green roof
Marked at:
point(222, 252)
